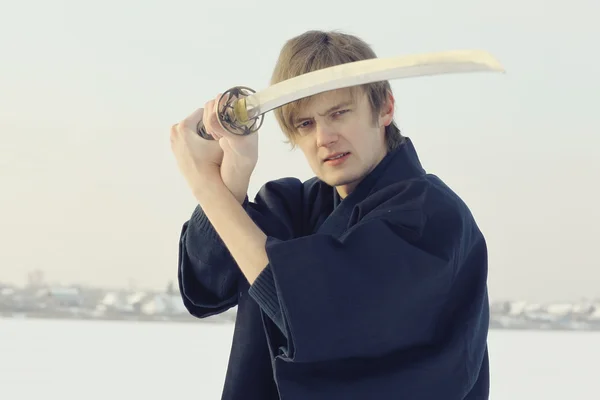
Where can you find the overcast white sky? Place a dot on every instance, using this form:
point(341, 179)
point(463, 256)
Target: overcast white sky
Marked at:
point(88, 90)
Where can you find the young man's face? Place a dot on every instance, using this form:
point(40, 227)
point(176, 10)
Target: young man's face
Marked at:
point(335, 124)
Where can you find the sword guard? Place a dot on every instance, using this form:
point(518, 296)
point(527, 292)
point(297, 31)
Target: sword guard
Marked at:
point(232, 114)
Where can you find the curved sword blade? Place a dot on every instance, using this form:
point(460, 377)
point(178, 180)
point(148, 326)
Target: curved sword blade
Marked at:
point(368, 71)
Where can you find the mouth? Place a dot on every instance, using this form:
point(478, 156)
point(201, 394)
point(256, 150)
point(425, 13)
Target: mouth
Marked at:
point(336, 158)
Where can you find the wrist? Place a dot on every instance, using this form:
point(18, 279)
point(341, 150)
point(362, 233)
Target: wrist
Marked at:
point(237, 183)
point(208, 182)
point(239, 188)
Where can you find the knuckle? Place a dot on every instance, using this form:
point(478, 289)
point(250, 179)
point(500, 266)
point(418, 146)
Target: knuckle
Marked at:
point(187, 123)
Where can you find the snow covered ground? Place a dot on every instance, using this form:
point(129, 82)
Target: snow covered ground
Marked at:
point(105, 360)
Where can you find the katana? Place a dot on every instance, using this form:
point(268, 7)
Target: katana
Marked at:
point(242, 109)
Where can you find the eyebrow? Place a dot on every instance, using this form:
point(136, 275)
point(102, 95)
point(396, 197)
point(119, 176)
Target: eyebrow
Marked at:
point(328, 111)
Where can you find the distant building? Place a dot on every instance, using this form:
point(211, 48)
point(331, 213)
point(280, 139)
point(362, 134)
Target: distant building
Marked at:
point(61, 297)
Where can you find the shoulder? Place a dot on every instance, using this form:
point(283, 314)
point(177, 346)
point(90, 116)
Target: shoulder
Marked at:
point(426, 194)
point(442, 205)
point(291, 202)
point(426, 210)
point(292, 190)
point(287, 189)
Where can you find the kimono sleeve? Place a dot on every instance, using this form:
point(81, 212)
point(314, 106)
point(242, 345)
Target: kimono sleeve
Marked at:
point(208, 276)
point(380, 287)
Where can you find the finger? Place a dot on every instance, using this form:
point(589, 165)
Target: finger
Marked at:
point(224, 145)
point(215, 124)
point(173, 132)
point(207, 119)
point(219, 103)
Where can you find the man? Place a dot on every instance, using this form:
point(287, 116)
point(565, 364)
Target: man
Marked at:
point(367, 281)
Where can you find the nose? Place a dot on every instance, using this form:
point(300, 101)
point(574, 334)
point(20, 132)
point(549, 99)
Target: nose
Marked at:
point(326, 135)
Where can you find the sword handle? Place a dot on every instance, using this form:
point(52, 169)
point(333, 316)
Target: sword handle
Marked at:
point(201, 130)
point(232, 114)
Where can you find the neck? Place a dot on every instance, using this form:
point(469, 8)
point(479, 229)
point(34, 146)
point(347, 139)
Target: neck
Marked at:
point(344, 190)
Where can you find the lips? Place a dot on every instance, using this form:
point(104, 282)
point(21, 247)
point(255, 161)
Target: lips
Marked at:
point(336, 156)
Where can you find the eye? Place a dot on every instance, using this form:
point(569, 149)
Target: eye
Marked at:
point(338, 113)
point(303, 125)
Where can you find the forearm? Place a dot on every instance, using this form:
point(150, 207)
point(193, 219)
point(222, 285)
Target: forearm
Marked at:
point(244, 239)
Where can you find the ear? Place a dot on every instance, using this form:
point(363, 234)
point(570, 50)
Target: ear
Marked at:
point(387, 111)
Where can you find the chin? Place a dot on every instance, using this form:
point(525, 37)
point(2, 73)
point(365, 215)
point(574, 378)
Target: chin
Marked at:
point(340, 179)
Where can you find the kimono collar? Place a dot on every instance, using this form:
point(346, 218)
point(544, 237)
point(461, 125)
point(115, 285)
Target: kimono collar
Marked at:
point(398, 165)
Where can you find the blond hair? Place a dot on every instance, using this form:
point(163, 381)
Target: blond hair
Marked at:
point(314, 50)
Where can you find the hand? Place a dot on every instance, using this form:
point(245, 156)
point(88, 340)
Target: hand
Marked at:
point(199, 160)
point(240, 153)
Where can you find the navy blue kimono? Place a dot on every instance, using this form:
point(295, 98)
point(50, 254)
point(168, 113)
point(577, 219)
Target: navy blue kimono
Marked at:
point(381, 295)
